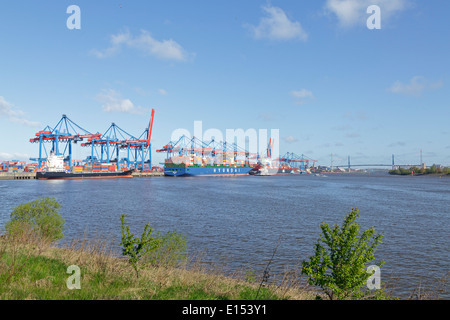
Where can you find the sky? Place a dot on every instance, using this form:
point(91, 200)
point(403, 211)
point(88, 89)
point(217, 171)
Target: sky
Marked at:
point(332, 76)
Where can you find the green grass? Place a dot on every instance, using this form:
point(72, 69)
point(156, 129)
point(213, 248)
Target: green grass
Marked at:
point(27, 273)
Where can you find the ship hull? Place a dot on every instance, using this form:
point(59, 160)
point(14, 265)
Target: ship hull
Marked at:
point(206, 171)
point(83, 175)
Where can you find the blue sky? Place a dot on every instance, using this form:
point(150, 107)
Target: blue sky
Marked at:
point(312, 69)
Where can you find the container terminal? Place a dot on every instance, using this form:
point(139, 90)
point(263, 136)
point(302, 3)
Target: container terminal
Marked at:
point(192, 157)
point(116, 153)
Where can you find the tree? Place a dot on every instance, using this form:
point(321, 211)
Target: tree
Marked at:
point(432, 169)
point(341, 253)
point(41, 216)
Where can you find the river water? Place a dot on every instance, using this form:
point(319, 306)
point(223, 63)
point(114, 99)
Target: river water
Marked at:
point(239, 221)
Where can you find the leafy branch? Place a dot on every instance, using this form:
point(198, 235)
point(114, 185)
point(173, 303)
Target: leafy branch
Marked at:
point(134, 247)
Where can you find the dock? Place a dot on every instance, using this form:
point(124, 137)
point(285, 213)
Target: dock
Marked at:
point(147, 174)
point(17, 175)
point(32, 175)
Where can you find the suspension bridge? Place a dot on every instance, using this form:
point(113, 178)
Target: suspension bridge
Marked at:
point(350, 165)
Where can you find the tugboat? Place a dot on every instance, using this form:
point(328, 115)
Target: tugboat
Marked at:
point(265, 168)
point(54, 169)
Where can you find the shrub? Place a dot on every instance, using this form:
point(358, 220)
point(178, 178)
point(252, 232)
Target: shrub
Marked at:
point(432, 169)
point(162, 249)
point(135, 247)
point(339, 264)
point(171, 250)
point(41, 216)
point(404, 171)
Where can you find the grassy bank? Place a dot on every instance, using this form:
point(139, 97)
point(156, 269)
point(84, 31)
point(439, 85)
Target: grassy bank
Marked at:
point(39, 271)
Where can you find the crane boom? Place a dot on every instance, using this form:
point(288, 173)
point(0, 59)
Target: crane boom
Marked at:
point(149, 136)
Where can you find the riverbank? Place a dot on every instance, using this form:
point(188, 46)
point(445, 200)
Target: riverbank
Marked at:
point(431, 171)
point(38, 271)
point(439, 175)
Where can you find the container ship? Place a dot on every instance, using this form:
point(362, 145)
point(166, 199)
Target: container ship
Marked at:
point(196, 166)
point(55, 169)
point(189, 156)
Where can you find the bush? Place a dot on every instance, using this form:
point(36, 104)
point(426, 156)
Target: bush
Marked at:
point(162, 249)
point(339, 264)
point(41, 216)
point(171, 251)
point(134, 247)
point(432, 169)
point(404, 171)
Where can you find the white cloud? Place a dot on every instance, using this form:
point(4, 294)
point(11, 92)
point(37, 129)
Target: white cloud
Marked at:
point(415, 87)
point(15, 115)
point(352, 135)
point(354, 12)
point(14, 156)
point(162, 91)
point(112, 101)
point(360, 115)
point(7, 109)
point(342, 128)
point(302, 95)
point(290, 139)
point(267, 116)
point(142, 91)
point(277, 26)
point(165, 49)
point(25, 122)
point(397, 144)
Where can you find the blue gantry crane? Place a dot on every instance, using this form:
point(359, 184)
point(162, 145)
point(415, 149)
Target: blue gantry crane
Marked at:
point(62, 136)
point(301, 162)
point(66, 133)
point(216, 150)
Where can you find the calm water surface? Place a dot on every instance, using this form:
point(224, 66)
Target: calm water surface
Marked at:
point(239, 220)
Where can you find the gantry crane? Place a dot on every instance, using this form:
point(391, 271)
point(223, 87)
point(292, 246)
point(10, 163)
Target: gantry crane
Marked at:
point(68, 132)
point(301, 162)
point(193, 147)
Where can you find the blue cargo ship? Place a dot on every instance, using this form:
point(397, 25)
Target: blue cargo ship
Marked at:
point(206, 170)
point(193, 157)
